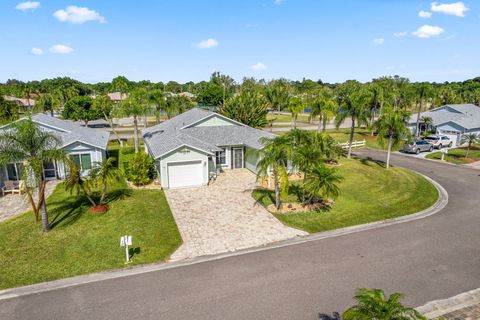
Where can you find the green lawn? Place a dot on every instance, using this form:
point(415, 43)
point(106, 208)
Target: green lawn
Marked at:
point(457, 155)
point(369, 193)
point(285, 117)
point(81, 242)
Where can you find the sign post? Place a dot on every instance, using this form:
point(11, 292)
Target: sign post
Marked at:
point(126, 241)
point(444, 151)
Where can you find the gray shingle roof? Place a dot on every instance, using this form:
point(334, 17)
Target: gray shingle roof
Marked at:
point(465, 115)
point(171, 134)
point(70, 132)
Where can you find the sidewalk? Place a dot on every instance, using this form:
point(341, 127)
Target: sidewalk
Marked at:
point(464, 306)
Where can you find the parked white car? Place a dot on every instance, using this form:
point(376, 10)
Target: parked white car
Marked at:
point(439, 141)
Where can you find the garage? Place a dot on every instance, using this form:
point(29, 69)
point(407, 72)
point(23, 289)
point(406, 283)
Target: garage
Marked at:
point(185, 174)
point(454, 136)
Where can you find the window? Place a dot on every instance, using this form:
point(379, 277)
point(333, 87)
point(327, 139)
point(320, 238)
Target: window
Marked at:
point(221, 157)
point(82, 161)
point(14, 171)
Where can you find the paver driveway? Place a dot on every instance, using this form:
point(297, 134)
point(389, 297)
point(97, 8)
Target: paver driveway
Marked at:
point(223, 217)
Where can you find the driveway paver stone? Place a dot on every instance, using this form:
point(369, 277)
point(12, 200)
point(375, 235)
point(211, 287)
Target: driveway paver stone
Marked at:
point(224, 217)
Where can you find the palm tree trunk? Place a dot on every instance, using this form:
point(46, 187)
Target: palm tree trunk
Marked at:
point(104, 191)
point(320, 120)
point(352, 132)
point(277, 191)
point(110, 122)
point(324, 124)
point(43, 206)
point(135, 133)
point(88, 196)
point(145, 121)
point(417, 127)
point(389, 151)
point(468, 150)
point(304, 181)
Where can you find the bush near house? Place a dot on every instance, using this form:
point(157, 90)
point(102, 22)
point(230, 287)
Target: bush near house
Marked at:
point(140, 170)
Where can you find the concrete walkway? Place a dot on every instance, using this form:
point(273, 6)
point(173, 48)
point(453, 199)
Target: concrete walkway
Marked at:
point(223, 217)
point(12, 205)
point(463, 306)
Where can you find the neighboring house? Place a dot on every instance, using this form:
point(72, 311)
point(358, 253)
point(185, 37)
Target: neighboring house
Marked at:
point(24, 104)
point(85, 146)
point(452, 120)
point(117, 97)
point(192, 147)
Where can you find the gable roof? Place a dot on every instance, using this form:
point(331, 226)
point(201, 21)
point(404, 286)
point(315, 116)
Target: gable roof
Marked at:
point(70, 132)
point(464, 115)
point(178, 131)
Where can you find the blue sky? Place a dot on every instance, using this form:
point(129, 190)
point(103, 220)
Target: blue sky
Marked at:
point(184, 40)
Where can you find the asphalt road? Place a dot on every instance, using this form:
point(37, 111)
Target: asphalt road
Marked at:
point(432, 258)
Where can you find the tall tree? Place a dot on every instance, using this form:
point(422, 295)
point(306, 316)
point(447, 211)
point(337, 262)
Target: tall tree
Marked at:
point(392, 126)
point(248, 107)
point(324, 107)
point(295, 106)
point(81, 108)
point(423, 95)
point(104, 105)
point(353, 100)
point(24, 142)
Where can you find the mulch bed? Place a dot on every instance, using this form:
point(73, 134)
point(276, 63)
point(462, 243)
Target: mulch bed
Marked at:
point(100, 209)
point(296, 207)
point(372, 138)
point(472, 148)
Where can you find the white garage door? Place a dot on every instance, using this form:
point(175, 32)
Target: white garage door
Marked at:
point(185, 174)
point(453, 135)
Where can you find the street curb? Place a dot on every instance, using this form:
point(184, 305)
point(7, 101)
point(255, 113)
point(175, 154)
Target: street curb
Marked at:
point(113, 274)
point(438, 161)
point(437, 308)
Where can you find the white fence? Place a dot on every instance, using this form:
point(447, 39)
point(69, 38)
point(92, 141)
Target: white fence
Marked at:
point(355, 144)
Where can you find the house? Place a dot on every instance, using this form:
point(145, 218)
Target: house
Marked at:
point(192, 147)
point(117, 96)
point(85, 146)
point(23, 103)
point(452, 120)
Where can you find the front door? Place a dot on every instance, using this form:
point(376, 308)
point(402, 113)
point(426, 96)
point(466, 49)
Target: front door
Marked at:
point(237, 158)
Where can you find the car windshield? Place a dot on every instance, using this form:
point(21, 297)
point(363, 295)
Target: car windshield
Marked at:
point(431, 138)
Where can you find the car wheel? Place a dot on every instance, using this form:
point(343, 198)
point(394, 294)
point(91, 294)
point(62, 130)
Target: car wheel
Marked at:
point(417, 151)
point(430, 149)
point(450, 144)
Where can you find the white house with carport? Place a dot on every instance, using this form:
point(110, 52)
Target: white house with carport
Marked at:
point(452, 120)
point(83, 145)
point(194, 146)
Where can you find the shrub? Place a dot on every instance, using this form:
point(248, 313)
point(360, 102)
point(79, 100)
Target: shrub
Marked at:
point(140, 170)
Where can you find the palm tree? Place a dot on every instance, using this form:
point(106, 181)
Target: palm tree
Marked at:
point(47, 103)
point(423, 93)
point(76, 182)
point(324, 108)
point(135, 105)
point(353, 104)
point(295, 106)
point(322, 182)
point(427, 122)
point(104, 105)
point(470, 139)
point(159, 100)
point(392, 126)
point(25, 142)
point(373, 304)
point(273, 163)
point(104, 173)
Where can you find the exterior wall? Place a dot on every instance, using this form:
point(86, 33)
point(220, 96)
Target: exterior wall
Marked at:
point(96, 154)
point(251, 159)
point(214, 121)
point(182, 155)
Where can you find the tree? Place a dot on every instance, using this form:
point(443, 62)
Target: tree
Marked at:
point(324, 108)
point(48, 103)
point(210, 94)
point(353, 99)
point(423, 94)
point(25, 142)
point(81, 108)
point(78, 183)
point(273, 163)
point(392, 126)
point(322, 182)
point(103, 104)
point(373, 304)
point(104, 173)
point(249, 107)
point(295, 106)
point(121, 84)
point(159, 100)
point(8, 111)
point(135, 105)
point(427, 122)
point(276, 94)
point(470, 139)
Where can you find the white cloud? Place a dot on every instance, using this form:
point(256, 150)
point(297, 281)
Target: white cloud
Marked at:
point(425, 14)
point(207, 44)
point(61, 49)
point(455, 9)
point(258, 66)
point(400, 34)
point(78, 15)
point(37, 51)
point(428, 31)
point(378, 41)
point(28, 5)
point(278, 2)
